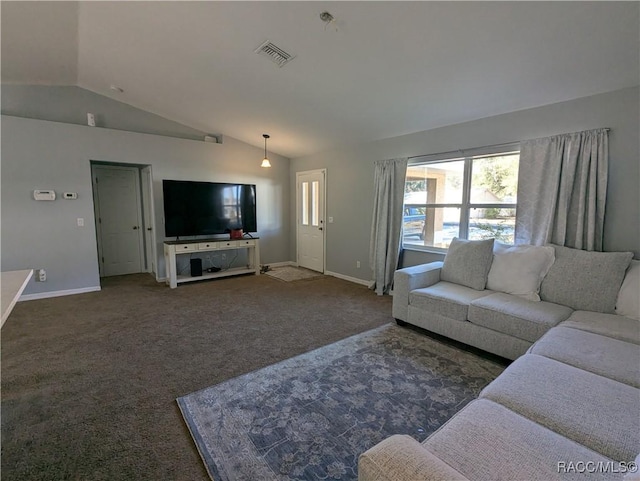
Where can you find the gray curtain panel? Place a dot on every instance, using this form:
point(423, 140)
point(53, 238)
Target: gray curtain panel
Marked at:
point(562, 188)
point(386, 228)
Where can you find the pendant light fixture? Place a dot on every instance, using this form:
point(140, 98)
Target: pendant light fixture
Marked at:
point(265, 161)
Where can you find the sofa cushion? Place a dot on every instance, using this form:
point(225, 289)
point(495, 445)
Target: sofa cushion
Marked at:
point(519, 270)
point(628, 302)
point(585, 280)
point(466, 332)
point(516, 316)
point(402, 458)
point(447, 299)
point(468, 262)
point(486, 441)
point(592, 410)
point(610, 325)
point(608, 357)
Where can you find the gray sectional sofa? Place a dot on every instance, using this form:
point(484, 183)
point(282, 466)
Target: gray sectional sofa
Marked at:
point(568, 407)
point(459, 298)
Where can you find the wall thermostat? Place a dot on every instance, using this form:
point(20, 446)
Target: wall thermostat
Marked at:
point(70, 195)
point(44, 195)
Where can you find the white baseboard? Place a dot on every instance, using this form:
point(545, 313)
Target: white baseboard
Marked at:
point(349, 278)
point(68, 292)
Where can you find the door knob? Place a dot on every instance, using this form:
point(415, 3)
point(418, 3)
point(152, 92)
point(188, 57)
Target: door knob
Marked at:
point(319, 228)
point(135, 227)
point(149, 228)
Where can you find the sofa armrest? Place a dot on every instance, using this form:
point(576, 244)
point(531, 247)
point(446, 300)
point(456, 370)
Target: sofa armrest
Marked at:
point(410, 278)
point(402, 458)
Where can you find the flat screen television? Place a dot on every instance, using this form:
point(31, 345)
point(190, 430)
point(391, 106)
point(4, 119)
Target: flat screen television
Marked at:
point(194, 208)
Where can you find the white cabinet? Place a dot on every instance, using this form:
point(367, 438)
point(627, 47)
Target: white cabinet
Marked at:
point(174, 248)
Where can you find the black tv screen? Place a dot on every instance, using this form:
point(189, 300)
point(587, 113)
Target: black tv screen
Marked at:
point(207, 208)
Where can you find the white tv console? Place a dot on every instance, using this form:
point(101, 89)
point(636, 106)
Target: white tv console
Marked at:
point(200, 246)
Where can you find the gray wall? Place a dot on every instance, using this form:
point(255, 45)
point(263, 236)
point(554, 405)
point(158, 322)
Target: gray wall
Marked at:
point(350, 170)
point(52, 155)
point(71, 104)
point(39, 154)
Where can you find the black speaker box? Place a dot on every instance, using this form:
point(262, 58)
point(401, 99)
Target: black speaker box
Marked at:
point(196, 267)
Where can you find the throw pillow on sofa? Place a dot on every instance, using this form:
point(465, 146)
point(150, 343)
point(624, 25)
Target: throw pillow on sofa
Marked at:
point(468, 262)
point(585, 280)
point(628, 303)
point(519, 270)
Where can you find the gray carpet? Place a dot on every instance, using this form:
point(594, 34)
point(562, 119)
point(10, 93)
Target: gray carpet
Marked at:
point(309, 417)
point(89, 382)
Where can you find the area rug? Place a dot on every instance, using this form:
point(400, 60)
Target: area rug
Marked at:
point(291, 273)
point(309, 417)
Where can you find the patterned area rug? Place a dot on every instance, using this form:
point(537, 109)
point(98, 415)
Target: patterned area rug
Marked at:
point(291, 273)
point(309, 417)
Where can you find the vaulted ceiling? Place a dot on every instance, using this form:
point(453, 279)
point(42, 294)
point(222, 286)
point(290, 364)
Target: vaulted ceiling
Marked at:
point(379, 70)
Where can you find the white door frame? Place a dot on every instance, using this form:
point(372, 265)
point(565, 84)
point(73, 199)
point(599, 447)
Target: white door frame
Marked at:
point(148, 221)
point(324, 213)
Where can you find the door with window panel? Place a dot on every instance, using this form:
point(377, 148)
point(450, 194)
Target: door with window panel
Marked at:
point(310, 219)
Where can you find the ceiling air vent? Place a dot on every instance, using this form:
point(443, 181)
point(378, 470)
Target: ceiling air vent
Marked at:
point(274, 53)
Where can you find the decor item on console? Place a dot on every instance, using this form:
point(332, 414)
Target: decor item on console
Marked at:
point(572, 399)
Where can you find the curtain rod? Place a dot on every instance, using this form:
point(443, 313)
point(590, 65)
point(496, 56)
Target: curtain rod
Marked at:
point(504, 144)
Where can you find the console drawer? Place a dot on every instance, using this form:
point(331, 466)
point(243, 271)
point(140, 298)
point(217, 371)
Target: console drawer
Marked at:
point(229, 243)
point(208, 245)
point(186, 247)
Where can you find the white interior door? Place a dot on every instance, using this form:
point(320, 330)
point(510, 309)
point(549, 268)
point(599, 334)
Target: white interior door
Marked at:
point(118, 217)
point(310, 219)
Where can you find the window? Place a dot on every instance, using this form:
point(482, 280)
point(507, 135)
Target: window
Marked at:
point(311, 203)
point(473, 197)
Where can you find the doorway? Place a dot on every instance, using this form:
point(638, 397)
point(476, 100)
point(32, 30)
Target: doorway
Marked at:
point(123, 213)
point(310, 226)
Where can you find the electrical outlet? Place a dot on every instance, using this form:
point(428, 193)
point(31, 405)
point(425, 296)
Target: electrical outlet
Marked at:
point(358, 264)
point(42, 275)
